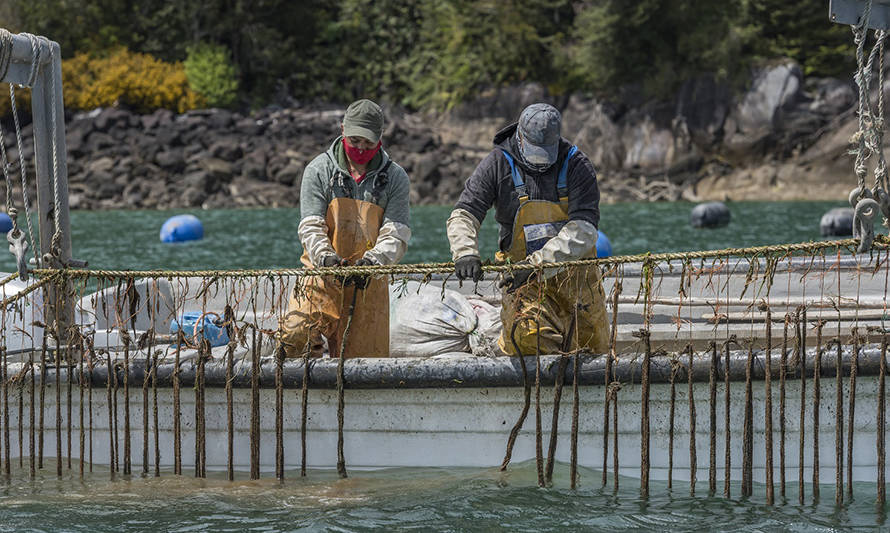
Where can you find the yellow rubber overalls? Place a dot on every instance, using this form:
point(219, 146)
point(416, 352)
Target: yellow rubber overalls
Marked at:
point(321, 305)
point(565, 312)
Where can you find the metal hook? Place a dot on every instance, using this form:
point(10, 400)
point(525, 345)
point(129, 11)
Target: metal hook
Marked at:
point(19, 246)
point(863, 223)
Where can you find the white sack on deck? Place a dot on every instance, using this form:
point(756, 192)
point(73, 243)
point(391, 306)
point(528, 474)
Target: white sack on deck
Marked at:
point(425, 321)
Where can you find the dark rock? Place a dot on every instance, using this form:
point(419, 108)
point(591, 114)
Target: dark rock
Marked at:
point(217, 169)
point(709, 215)
point(200, 180)
point(157, 119)
point(837, 222)
point(171, 160)
point(226, 149)
point(110, 117)
point(704, 104)
point(254, 165)
point(290, 174)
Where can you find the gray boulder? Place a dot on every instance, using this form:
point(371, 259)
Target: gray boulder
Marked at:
point(709, 215)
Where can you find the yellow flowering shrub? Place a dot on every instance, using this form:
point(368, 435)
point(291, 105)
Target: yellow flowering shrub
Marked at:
point(138, 81)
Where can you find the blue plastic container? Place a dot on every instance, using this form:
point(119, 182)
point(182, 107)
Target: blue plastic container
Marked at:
point(603, 246)
point(181, 228)
point(5, 223)
point(212, 328)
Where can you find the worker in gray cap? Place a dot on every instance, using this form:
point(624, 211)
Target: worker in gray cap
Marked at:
point(353, 211)
point(546, 202)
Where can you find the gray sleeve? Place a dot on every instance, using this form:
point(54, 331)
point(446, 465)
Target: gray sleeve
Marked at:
point(315, 189)
point(480, 190)
point(398, 206)
point(584, 193)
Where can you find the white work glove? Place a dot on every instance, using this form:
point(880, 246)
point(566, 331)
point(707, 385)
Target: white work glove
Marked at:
point(575, 240)
point(391, 245)
point(313, 233)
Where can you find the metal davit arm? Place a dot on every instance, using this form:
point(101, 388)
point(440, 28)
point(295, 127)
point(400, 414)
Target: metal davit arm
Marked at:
point(851, 11)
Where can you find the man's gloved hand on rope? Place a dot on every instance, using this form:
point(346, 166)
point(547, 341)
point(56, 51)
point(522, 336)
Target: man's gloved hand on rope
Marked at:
point(333, 260)
point(517, 278)
point(468, 267)
point(360, 281)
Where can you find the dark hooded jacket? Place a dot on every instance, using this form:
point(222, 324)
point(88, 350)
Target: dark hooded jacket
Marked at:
point(491, 184)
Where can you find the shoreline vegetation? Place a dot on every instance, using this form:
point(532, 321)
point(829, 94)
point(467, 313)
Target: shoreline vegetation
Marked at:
point(175, 104)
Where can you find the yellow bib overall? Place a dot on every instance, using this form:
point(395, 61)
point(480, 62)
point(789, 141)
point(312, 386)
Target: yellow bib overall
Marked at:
point(564, 313)
point(321, 305)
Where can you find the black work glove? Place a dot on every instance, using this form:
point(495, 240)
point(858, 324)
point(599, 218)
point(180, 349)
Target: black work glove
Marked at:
point(468, 267)
point(332, 260)
point(517, 278)
point(360, 281)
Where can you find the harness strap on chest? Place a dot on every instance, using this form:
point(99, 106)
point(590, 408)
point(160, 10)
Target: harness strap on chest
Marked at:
point(561, 180)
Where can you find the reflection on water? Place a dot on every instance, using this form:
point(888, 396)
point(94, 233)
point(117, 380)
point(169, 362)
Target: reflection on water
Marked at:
point(405, 498)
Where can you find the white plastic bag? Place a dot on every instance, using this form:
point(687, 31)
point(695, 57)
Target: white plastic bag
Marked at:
point(424, 321)
point(484, 339)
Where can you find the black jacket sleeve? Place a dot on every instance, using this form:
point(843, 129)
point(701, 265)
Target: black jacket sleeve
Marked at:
point(584, 193)
point(481, 189)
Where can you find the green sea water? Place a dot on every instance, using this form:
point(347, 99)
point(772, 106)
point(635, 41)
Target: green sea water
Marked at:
point(411, 498)
point(267, 238)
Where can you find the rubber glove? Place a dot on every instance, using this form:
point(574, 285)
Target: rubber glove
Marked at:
point(517, 278)
point(468, 267)
point(360, 281)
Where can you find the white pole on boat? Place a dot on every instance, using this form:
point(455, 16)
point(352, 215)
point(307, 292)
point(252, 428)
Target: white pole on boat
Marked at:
point(47, 111)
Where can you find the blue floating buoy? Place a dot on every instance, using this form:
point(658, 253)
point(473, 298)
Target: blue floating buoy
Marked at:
point(212, 330)
point(603, 246)
point(709, 215)
point(182, 228)
point(5, 223)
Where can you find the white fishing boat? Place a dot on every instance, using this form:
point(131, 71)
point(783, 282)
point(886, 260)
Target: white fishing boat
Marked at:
point(750, 365)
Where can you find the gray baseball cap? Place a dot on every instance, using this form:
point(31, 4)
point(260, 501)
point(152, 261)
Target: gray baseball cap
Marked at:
point(363, 118)
point(539, 131)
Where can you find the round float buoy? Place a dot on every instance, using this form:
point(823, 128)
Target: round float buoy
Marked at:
point(603, 246)
point(837, 222)
point(182, 228)
point(709, 215)
point(5, 223)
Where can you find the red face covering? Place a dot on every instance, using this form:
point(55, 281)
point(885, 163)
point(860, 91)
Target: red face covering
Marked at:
point(361, 157)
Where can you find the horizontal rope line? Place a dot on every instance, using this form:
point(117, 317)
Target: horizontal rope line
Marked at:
point(447, 268)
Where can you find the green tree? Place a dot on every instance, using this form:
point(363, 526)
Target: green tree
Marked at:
point(656, 43)
point(801, 30)
point(469, 46)
point(211, 73)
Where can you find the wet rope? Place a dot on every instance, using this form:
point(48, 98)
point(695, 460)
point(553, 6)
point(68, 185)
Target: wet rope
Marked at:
point(116, 425)
point(58, 357)
point(200, 421)
point(800, 324)
point(341, 459)
point(693, 460)
point(127, 448)
point(644, 413)
point(782, 250)
point(727, 429)
point(5, 378)
point(111, 460)
point(31, 413)
point(748, 427)
point(91, 340)
point(576, 400)
point(817, 400)
point(881, 424)
point(712, 428)
point(675, 364)
point(40, 429)
point(554, 423)
point(613, 354)
point(854, 364)
point(255, 408)
point(82, 386)
point(768, 408)
point(783, 372)
point(68, 420)
point(614, 387)
point(229, 318)
point(177, 415)
point(526, 401)
point(279, 412)
point(304, 405)
point(539, 446)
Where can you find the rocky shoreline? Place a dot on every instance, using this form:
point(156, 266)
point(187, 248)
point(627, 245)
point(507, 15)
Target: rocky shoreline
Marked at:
point(784, 138)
